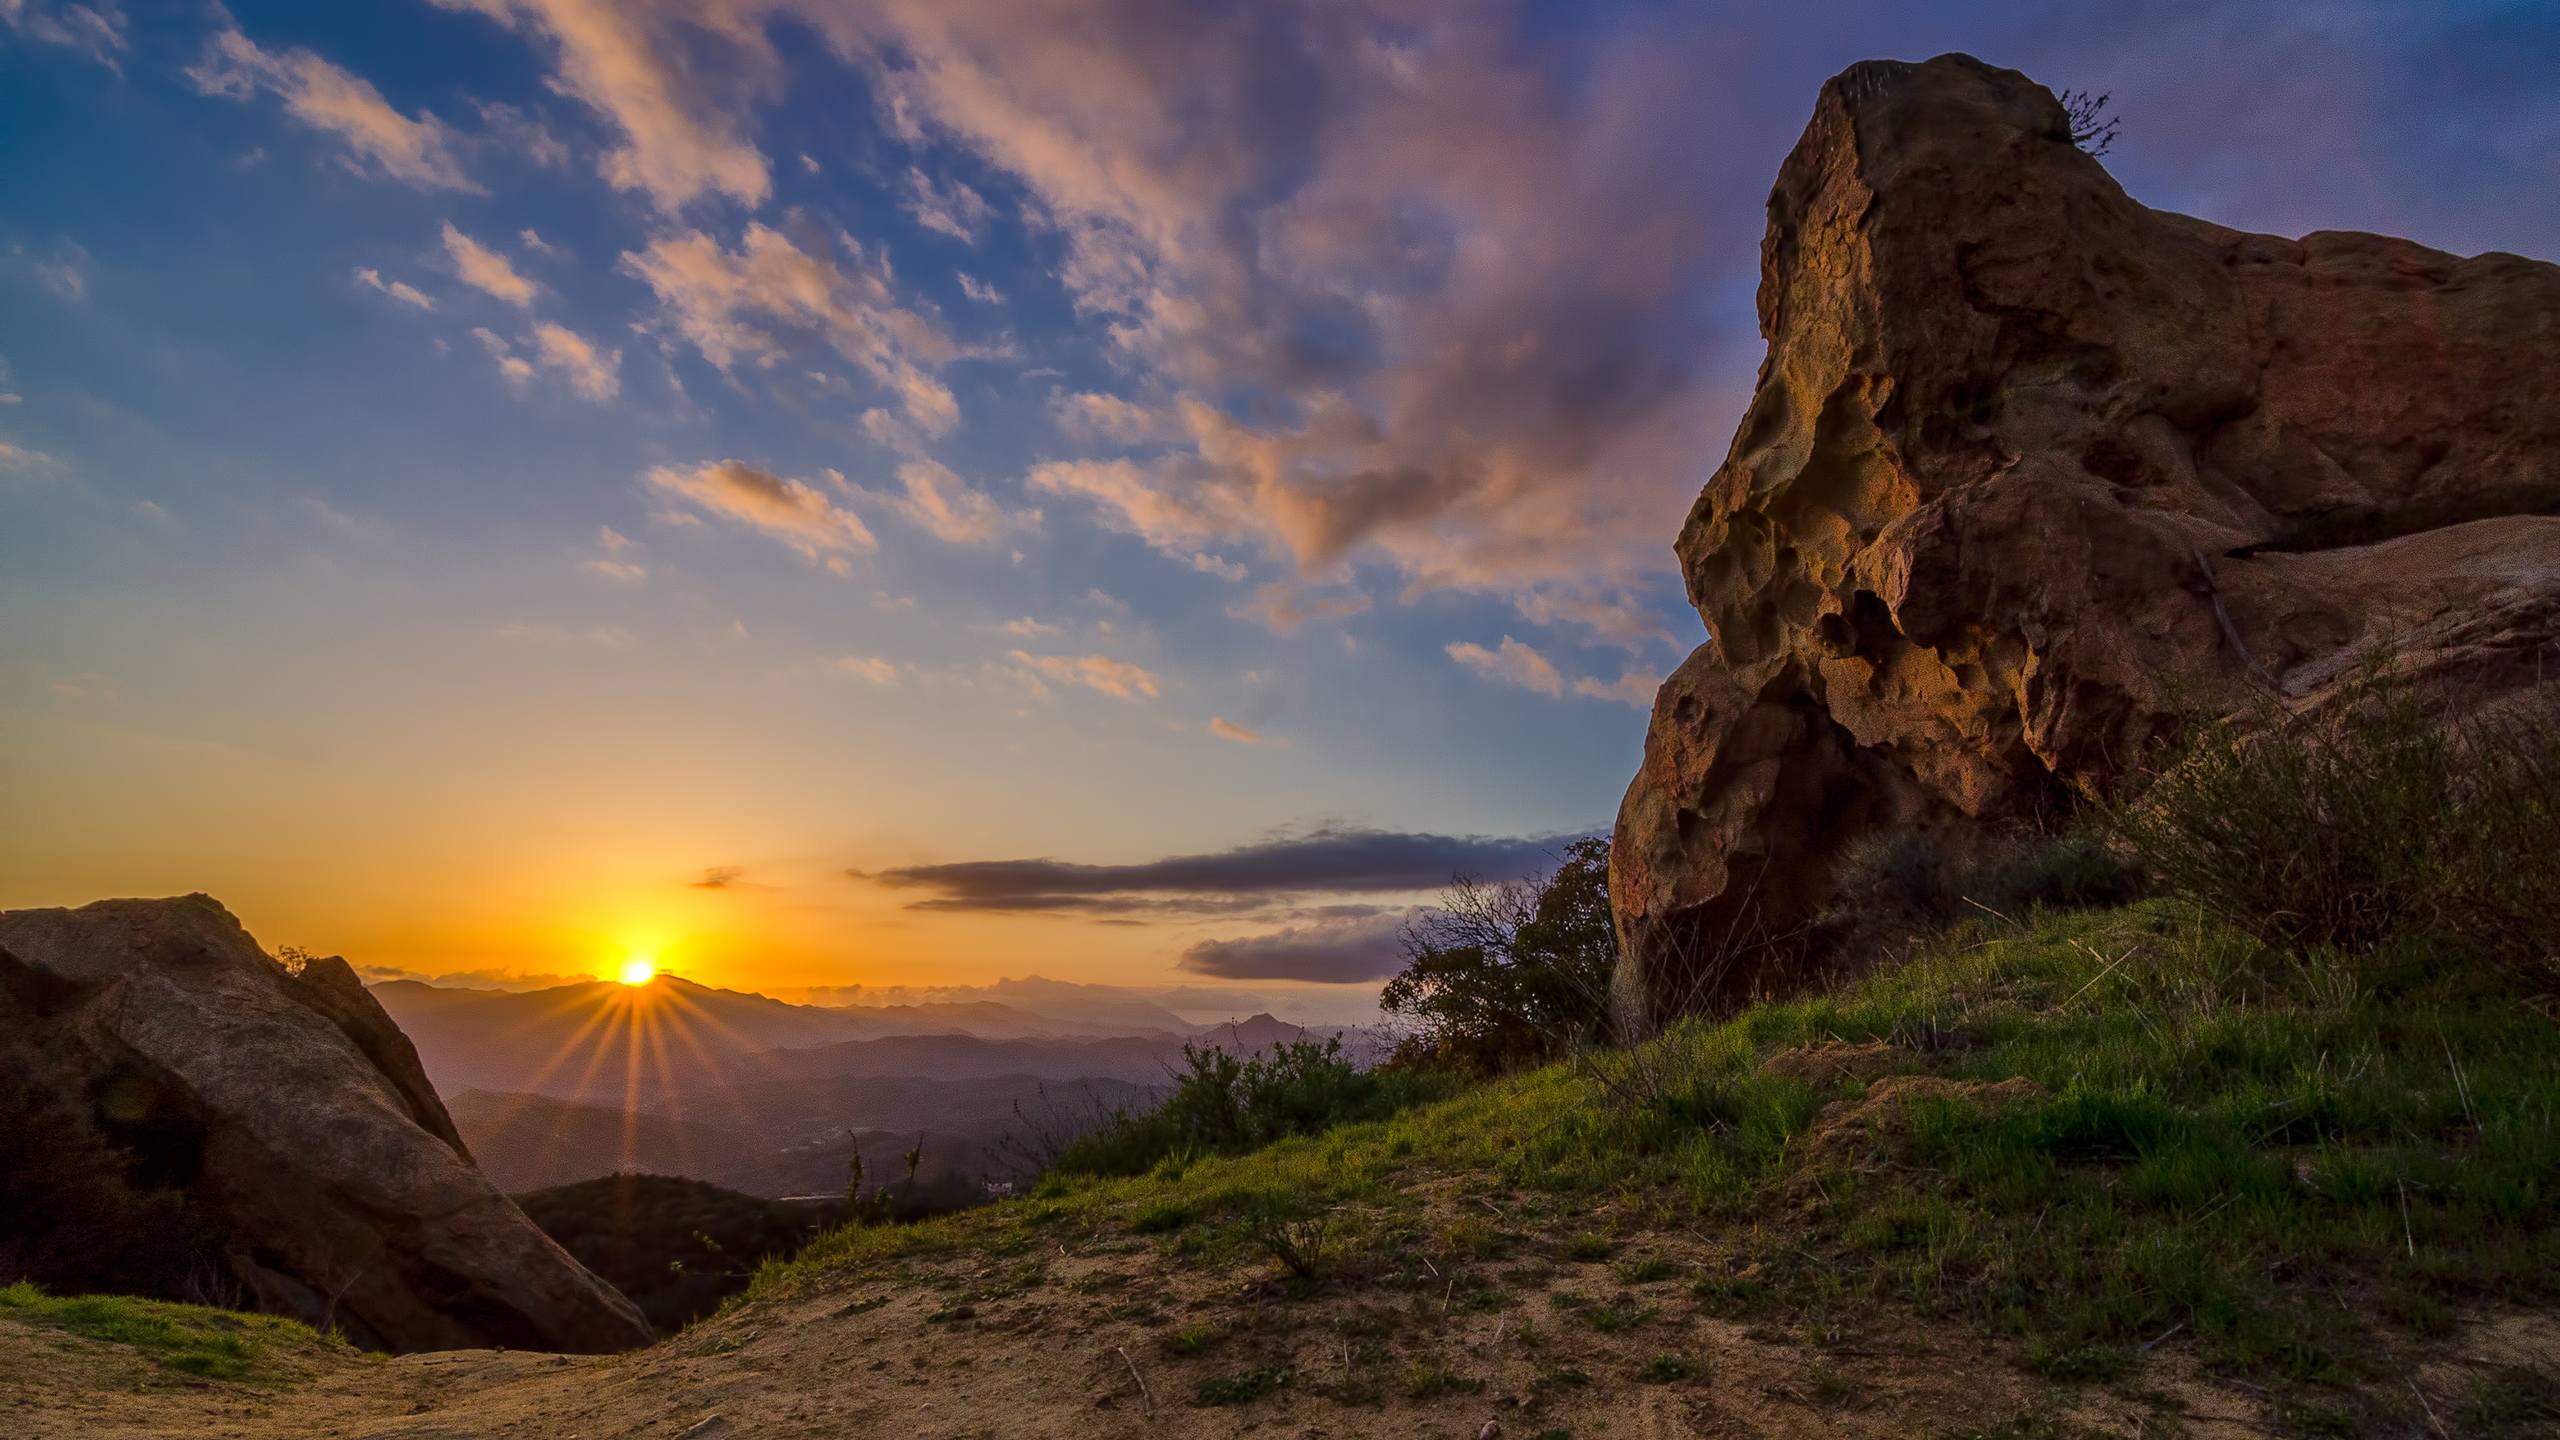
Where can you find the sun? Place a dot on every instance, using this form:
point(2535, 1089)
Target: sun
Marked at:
point(639, 970)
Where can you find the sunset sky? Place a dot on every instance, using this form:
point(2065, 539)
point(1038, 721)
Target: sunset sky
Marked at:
point(907, 492)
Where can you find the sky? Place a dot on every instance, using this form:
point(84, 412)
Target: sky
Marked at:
point(910, 492)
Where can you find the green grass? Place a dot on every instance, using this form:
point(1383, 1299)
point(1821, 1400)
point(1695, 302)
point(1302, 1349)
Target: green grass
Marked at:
point(215, 1344)
point(2261, 1157)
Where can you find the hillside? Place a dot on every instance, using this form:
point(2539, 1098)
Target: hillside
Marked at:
point(2021, 1187)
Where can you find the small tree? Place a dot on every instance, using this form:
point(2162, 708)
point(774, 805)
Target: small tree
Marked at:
point(2092, 128)
point(1501, 975)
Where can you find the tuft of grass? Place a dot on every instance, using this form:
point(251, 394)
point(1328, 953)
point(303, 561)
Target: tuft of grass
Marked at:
point(1241, 1388)
point(192, 1340)
point(1665, 1369)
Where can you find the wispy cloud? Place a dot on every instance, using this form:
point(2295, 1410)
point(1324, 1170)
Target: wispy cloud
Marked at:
point(1116, 678)
point(1515, 663)
point(792, 512)
point(98, 31)
point(870, 669)
point(593, 372)
point(680, 138)
point(485, 269)
point(742, 304)
point(947, 207)
point(400, 290)
point(1226, 729)
point(380, 140)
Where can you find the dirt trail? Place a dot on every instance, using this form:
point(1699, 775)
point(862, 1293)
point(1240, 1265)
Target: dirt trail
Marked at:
point(1057, 1347)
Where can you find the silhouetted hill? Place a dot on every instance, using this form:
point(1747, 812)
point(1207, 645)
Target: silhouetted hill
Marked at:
point(676, 1247)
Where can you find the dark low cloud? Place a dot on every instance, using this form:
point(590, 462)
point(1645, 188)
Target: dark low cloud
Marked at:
point(1337, 952)
point(1333, 860)
point(720, 877)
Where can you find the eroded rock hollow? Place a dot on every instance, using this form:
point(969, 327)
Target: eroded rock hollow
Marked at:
point(2030, 471)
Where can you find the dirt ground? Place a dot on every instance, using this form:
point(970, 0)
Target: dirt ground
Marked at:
point(1113, 1340)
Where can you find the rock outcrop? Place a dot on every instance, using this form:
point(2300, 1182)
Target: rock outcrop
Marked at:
point(296, 1117)
point(2031, 470)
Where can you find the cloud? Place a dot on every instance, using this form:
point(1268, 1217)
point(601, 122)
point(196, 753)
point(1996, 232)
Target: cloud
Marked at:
point(1028, 628)
point(1449, 289)
point(949, 208)
point(485, 269)
point(720, 877)
point(400, 290)
point(1635, 687)
point(490, 979)
point(1513, 664)
point(1330, 860)
point(942, 505)
point(1226, 729)
point(1116, 678)
point(517, 369)
point(31, 462)
point(533, 241)
point(979, 290)
point(1108, 419)
point(680, 139)
point(613, 564)
point(380, 140)
point(792, 512)
point(593, 373)
point(521, 135)
point(542, 632)
point(872, 669)
point(726, 303)
point(98, 31)
point(1283, 607)
point(1226, 569)
point(65, 272)
point(1336, 952)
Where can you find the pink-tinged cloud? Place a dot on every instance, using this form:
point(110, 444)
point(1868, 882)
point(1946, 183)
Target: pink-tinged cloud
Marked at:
point(750, 303)
point(1513, 663)
point(790, 512)
point(379, 139)
point(486, 270)
point(1116, 678)
point(676, 112)
point(1226, 729)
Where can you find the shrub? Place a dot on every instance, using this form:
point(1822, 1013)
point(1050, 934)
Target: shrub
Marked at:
point(1502, 975)
point(1909, 882)
point(1225, 1105)
point(2384, 816)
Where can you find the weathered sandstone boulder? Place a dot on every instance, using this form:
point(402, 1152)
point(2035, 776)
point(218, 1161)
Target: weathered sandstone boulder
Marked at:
point(2031, 470)
point(304, 1123)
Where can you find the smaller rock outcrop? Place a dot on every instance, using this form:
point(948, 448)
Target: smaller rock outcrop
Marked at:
point(294, 1115)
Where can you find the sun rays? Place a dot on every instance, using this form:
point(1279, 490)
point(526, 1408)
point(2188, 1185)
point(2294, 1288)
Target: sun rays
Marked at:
point(654, 1034)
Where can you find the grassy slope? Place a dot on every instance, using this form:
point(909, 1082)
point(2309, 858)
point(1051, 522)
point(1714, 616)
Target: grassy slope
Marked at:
point(2296, 1172)
point(190, 1339)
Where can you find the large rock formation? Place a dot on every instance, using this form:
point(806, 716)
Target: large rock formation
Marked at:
point(294, 1114)
point(2032, 469)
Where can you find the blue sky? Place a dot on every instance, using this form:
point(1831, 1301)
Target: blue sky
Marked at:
point(471, 470)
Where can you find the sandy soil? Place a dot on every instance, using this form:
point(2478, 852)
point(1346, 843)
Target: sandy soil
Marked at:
point(1085, 1344)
